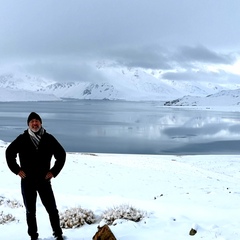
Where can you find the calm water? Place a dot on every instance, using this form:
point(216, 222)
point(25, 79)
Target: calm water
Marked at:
point(127, 127)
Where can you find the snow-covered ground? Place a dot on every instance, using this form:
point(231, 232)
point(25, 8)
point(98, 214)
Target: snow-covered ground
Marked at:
point(177, 193)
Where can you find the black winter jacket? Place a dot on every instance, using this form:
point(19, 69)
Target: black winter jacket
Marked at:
point(36, 163)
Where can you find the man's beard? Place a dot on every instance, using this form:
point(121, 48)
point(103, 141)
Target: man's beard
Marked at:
point(35, 130)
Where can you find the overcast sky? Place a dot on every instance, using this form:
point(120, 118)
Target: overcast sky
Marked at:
point(60, 39)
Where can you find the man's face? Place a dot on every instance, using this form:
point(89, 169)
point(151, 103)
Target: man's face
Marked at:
point(35, 125)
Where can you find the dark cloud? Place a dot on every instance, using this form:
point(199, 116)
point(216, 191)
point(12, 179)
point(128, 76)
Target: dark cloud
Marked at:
point(203, 55)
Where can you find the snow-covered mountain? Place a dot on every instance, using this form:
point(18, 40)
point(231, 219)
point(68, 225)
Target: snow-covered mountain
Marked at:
point(114, 83)
point(20, 87)
point(222, 98)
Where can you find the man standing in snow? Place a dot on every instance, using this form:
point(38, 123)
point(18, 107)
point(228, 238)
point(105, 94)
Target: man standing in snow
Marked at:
point(35, 148)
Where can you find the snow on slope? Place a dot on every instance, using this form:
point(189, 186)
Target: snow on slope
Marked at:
point(198, 88)
point(9, 95)
point(120, 83)
point(222, 98)
point(23, 81)
point(23, 88)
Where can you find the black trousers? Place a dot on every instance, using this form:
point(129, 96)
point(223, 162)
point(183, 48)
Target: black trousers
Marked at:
point(30, 188)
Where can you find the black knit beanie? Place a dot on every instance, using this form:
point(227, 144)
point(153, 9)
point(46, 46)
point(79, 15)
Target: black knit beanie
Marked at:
point(33, 115)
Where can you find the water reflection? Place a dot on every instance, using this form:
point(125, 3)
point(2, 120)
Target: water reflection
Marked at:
point(128, 127)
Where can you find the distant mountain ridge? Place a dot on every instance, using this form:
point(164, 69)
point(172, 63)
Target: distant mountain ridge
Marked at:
point(222, 98)
point(115, 83)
